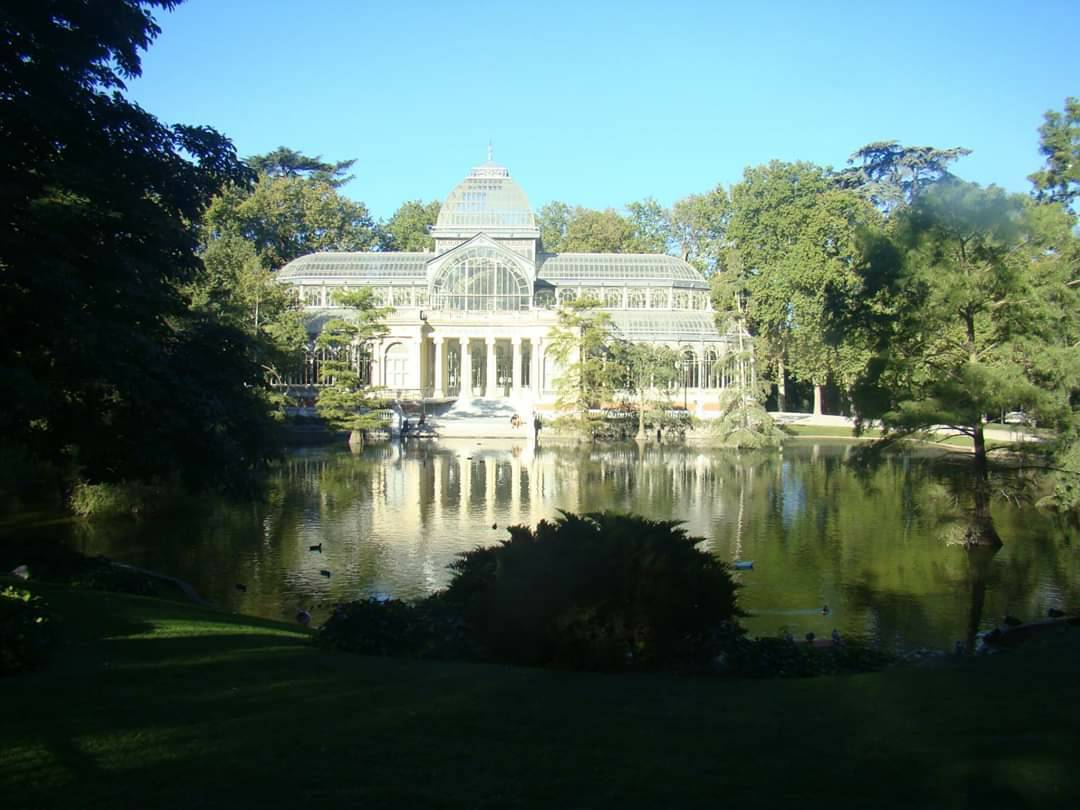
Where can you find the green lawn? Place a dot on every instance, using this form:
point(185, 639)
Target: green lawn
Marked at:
point(831, 431)
point(827, 431)
point(150, 703)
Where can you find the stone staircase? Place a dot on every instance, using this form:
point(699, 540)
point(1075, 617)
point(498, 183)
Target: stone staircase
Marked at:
point(482, 418)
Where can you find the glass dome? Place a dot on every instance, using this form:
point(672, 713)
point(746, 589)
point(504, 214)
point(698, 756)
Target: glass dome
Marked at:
point(486, 199)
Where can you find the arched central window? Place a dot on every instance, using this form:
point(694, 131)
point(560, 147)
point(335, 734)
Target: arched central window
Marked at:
point(480, 281)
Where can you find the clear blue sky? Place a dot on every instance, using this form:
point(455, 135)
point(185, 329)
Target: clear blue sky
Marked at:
point(598, 103)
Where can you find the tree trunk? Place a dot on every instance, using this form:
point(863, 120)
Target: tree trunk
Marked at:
point(781, 384)
point(819, 390)
point(981, 532)
point(356, 441)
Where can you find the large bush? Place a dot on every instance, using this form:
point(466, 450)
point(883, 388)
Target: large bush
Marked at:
point(598, 591)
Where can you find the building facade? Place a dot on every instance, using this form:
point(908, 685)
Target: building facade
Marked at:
point(472, 318)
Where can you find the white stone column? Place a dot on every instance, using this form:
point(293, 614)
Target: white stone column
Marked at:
point(492, 383)
point(515, 383)
point(465, 370)
point(538, 368)
point(437, 383)
point(376, 363)
point(415, 372)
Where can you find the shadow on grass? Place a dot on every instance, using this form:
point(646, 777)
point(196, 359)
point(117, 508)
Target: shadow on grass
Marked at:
point(246, 714)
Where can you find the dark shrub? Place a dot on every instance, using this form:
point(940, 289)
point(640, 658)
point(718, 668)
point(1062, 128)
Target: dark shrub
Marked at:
point(393, 627)
point(25, 631)
point(373, 628)
point(597, 591)
point(783, 658)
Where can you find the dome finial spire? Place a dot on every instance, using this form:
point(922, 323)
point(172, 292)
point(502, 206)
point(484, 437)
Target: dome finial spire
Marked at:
point(491, 152)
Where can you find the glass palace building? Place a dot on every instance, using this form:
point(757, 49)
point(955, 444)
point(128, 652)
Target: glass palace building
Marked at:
point(472, 318)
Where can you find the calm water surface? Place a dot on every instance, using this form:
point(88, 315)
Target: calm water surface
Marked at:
point(875, 549)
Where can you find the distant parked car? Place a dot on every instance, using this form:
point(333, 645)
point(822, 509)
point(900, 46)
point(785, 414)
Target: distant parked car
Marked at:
point(1017, 418)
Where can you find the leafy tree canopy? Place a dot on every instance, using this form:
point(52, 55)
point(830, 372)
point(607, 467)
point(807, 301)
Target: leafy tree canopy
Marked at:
point(652, 227)
point(553, 220)
point(598, 232)
point(409, 229)
point(1059, 141)
point(581, 342)
point(648, 372)
point(699, 225)
point(770, 209)
point(288, 216)
point(104, 369)
point(285, 162)
point(891, 175)
point(645, 229)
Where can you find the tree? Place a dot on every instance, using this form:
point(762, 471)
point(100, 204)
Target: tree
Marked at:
point(981, 324)
point(649, 369)
point(651, 224)
point(820, 276)
point(891, 175)
point(291, 215)
point(409, 229)
point(285, 162)
point(598, 232)
point(238, 290)
point(580, 342)
point(770, 209)
point(699, 224)
point(1059, 141)
point(104, 368)
point(553, 220)
point(347, 400)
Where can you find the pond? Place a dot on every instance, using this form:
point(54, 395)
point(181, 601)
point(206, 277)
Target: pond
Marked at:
point(876, 548)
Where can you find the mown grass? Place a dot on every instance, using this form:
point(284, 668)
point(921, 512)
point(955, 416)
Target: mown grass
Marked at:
point(954, 442)
point(150, 703)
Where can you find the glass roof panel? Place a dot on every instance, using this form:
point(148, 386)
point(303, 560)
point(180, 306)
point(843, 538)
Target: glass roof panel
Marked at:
point(618, 268)
point(385, 266)
point(659, 325)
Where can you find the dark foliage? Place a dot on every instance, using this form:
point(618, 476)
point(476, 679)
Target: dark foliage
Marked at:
point(393, 627)
point(26, 632)
point(597, 591)
point(783, 658)
point(104, 370)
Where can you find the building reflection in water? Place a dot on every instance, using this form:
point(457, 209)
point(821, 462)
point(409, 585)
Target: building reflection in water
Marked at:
point(390, 520)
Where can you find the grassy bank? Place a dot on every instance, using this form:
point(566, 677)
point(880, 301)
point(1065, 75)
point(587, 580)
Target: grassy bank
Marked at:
point(150, 703)
point(953, 442)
